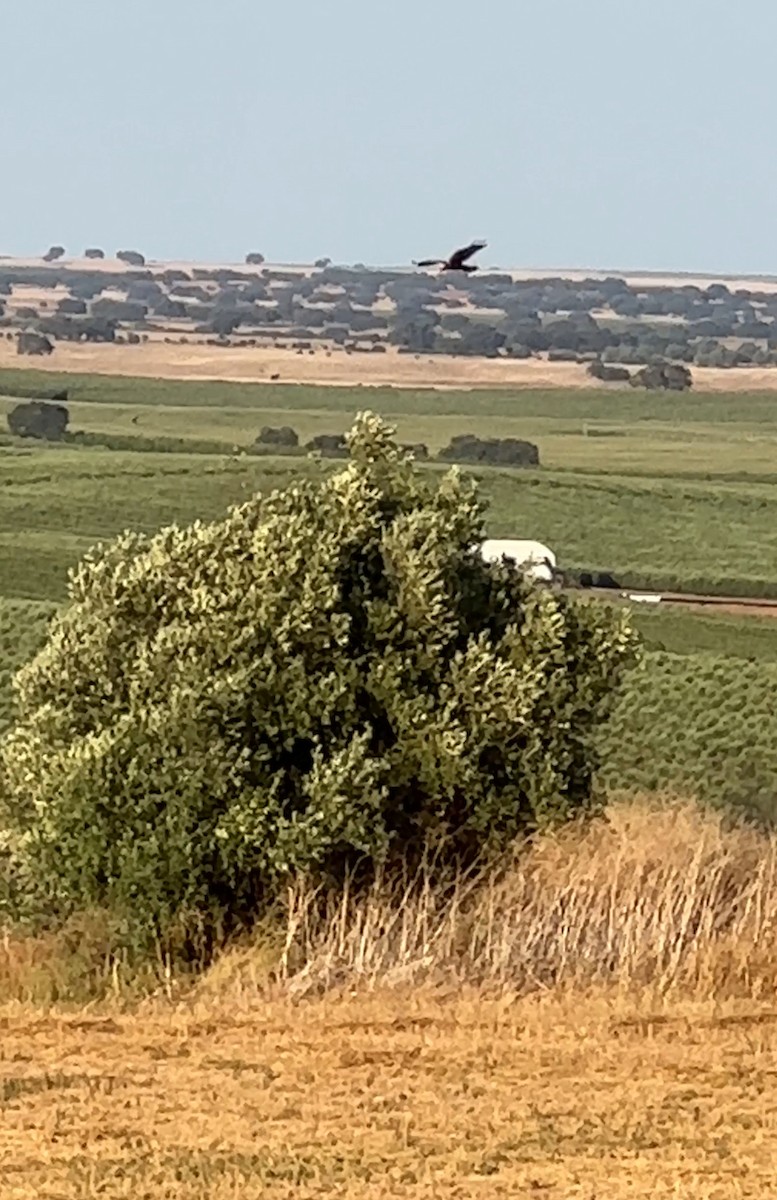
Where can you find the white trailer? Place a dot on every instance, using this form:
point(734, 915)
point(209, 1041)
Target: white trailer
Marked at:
point(536, 560)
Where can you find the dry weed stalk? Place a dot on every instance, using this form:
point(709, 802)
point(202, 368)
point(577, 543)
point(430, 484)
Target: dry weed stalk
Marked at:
point(661, 895)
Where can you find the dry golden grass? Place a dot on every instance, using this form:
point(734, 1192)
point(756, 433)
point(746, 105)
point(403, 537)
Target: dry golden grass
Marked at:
point(659, 896)
point(156, 360)
point(600, 1024)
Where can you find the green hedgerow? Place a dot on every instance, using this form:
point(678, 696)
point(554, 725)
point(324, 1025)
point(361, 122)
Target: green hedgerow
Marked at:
point(329, 675)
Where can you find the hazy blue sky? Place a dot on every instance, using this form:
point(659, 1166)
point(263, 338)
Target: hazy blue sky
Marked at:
point(599, 133)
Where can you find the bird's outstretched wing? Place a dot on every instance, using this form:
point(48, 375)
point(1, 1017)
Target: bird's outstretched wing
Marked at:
point(430, 262)
point(461, 256)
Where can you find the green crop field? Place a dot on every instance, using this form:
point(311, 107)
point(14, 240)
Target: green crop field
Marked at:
point(22, 630)
point(700, 724)
point(663, 491)
point(680, 631)
point(602, 431)
point(685, 535)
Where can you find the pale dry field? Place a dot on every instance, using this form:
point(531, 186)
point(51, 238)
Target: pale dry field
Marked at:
point(405, 1094)
point(156, 360)
point(646, 279)
point(600, 1025)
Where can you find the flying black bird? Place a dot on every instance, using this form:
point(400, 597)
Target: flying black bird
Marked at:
point(457, 261)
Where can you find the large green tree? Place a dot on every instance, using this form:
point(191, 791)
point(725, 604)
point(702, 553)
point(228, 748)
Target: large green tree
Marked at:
point(330, 675)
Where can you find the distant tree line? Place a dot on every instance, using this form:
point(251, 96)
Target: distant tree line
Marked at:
point(605, 321)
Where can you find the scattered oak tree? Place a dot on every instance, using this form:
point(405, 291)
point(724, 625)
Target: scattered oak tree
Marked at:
point(133, 258)
point(30, 342)
point(37, 419)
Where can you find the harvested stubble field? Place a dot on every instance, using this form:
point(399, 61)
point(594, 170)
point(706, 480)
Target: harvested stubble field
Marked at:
point(600, 1025)
point(158, 360)
point(405, 1095)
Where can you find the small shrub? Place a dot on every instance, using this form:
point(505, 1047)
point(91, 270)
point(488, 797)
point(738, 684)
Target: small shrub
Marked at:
point(608, 374)
point(509, 452)
point(284, 435)
point(328, 678)
point(330, 444)
point(673, 377)
point(37, 419)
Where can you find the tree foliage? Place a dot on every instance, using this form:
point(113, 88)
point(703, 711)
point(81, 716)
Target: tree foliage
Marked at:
point(282, 435)
point(30, 342)
point(133, 258)
point(509, 451)
point(71, 306)
point(37, 419)
point(330, 675)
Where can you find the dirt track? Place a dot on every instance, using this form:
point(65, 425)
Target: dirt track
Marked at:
point(735, 608)
point(739, 606)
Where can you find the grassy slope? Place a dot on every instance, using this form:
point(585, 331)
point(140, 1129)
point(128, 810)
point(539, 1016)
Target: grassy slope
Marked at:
point(671, 491)
point(681, 631)
point(55, 502)
point(700, 724)
point(22, 630)
point(698, 531)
